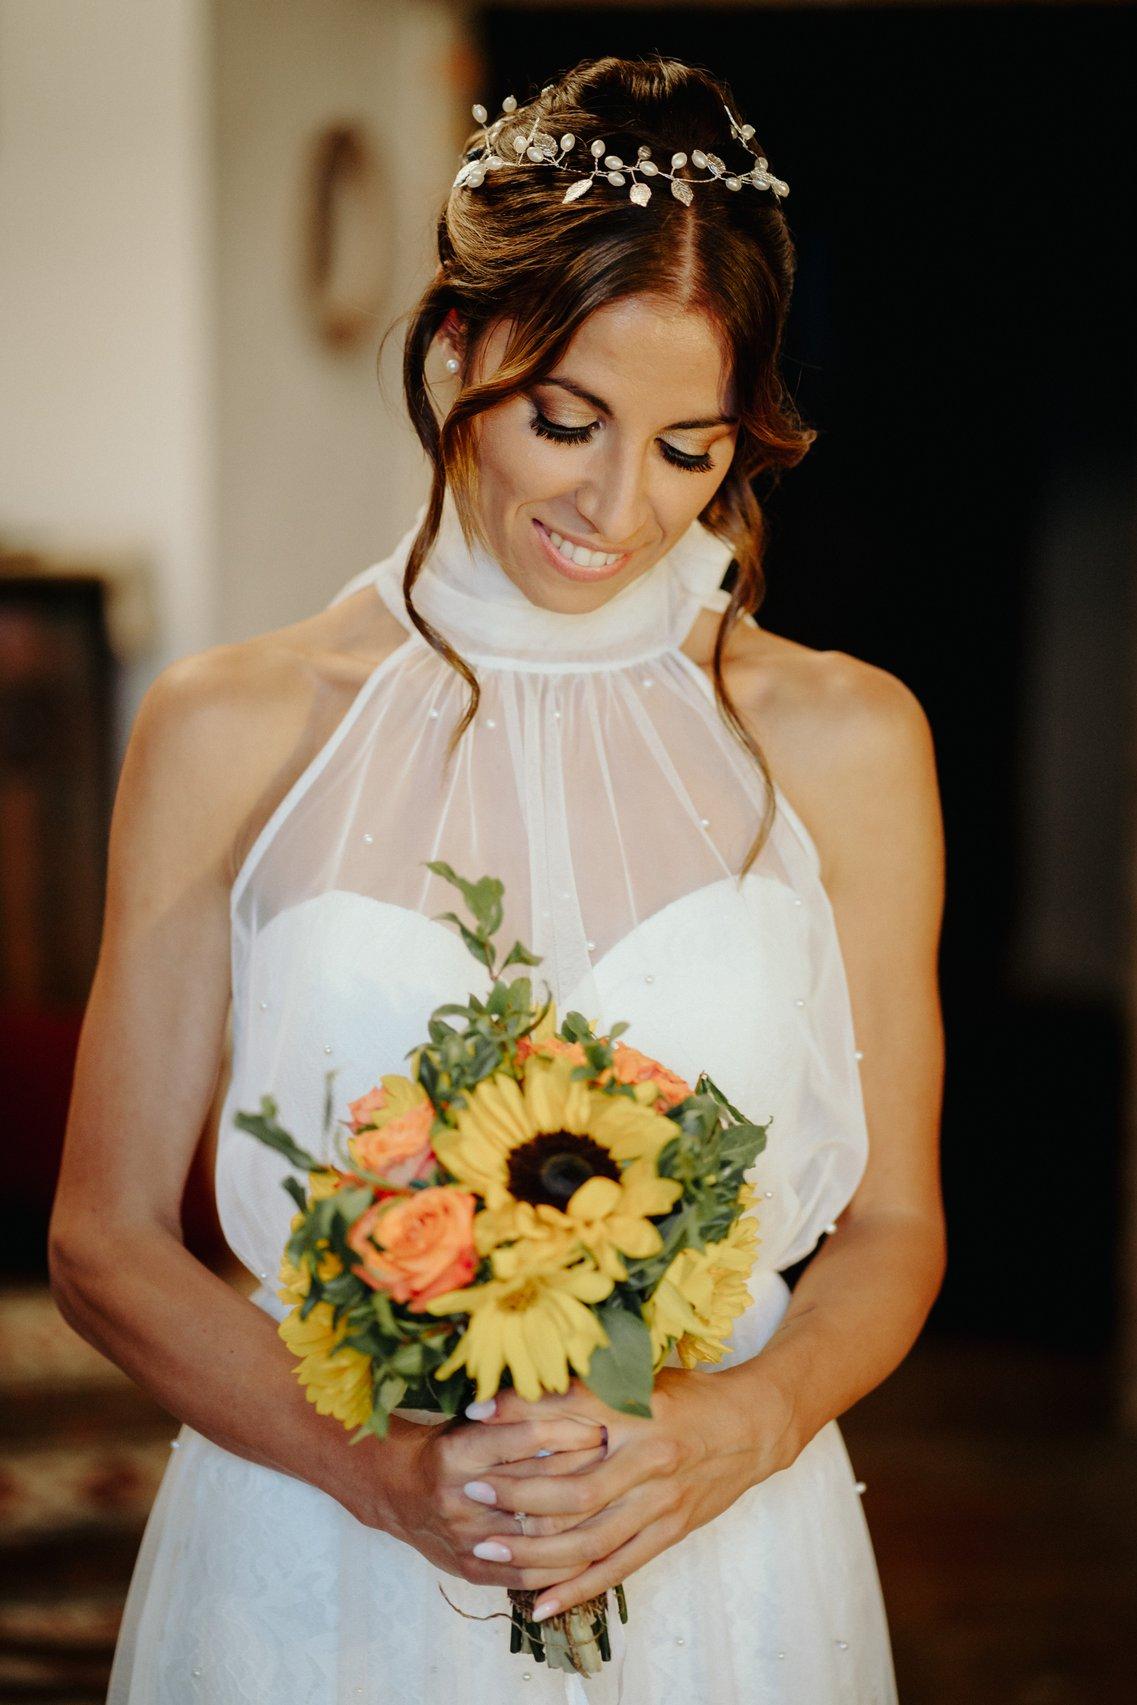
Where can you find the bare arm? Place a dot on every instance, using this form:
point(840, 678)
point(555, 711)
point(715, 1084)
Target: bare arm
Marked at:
point(147, 1068)
point(208, 732)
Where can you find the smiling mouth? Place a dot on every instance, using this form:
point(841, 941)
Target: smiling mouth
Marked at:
point(574, 560)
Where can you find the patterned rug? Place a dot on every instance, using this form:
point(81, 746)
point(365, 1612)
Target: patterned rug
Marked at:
point(81, 1452)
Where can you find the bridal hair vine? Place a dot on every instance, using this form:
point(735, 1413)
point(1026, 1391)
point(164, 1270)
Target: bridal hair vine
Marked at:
point(539, 148)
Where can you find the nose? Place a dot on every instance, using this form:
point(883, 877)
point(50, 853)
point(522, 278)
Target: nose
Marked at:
point(613, 498)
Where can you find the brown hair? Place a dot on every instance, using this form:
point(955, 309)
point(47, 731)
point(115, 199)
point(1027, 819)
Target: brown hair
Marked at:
point(511, 250)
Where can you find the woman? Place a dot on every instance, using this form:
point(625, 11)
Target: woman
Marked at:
point(552, 687)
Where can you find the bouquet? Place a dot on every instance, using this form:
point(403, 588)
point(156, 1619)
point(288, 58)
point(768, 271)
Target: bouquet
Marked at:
point(525, 1187)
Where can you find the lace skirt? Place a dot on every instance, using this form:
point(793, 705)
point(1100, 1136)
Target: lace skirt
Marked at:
point(255, 1588)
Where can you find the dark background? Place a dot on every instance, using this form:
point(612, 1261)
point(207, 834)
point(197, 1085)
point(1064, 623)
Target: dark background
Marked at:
point(962, 337)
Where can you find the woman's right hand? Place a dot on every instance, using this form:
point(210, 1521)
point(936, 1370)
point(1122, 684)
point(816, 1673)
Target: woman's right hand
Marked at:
point(416, 1488)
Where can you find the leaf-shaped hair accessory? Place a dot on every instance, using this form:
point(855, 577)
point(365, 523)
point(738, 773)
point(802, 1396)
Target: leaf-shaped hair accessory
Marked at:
point(540, 148)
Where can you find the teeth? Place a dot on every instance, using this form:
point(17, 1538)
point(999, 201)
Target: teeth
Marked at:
point(578, 555)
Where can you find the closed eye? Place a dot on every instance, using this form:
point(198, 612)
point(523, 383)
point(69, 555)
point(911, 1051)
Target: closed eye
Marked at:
point(545, 428)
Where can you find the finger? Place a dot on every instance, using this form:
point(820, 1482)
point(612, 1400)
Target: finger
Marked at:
point(580, 1494)
point(608, 1571)
point(513, 1441)
point(570, 1549)
point(559, 1462)
point(577, 1401)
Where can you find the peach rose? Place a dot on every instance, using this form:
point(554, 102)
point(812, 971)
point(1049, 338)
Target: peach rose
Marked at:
point(415, 1247)
point(551, 1045)
point(399, 1150)
point(630, 1066)
point(362, 1110)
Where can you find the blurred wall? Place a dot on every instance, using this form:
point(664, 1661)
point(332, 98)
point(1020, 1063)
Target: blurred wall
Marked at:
point(319, 472)
point(106, 260)
point(162, 388)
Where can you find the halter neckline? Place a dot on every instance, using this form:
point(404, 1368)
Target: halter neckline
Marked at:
point(469, 598)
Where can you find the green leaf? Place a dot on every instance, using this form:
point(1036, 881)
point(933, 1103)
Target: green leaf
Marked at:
point(392, 1390)
point(329, 1078)
point(620, 1372)
point(519, 955)
point(264, 1127)
point(298, 1193)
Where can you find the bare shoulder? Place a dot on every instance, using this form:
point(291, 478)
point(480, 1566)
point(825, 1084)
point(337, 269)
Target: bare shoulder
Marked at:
point(232, 726)
point(848, 742)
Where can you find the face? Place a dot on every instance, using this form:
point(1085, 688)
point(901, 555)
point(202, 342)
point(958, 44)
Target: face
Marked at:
point(590, 476)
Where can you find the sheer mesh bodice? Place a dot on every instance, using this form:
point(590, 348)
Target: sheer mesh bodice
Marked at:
point(600, 782)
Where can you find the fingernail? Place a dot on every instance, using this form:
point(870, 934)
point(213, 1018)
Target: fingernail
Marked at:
point(480, 1492)
point(493, 1551)
point(547, 1607)
point(481, 1411)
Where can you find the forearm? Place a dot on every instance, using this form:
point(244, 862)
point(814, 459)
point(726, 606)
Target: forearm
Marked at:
point(213, 1359)
point(855, 1313)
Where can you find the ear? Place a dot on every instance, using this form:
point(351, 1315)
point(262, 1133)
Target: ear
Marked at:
point(452, 333)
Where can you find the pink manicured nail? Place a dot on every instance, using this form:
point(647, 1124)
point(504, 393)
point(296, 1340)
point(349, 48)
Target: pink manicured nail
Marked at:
point(481, 1411)
point(480, 1492)
point(547, 1607)
point(493, 1551)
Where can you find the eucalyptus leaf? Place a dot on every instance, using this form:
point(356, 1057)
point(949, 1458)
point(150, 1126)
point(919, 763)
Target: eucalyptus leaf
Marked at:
point(266, 1129)
point(619, 1373)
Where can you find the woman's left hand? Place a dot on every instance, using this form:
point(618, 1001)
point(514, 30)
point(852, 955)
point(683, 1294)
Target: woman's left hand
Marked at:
point(589, 1527)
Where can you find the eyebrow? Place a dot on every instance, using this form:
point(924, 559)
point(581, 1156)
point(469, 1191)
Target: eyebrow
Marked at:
point(598, 403)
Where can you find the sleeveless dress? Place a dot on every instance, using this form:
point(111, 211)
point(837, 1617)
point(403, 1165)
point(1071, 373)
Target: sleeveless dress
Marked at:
point(600, 783)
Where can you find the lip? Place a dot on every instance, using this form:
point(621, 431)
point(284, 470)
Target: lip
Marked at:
point(573, 570)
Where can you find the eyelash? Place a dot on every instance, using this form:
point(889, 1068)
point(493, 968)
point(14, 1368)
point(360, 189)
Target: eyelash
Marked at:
point(581, 434)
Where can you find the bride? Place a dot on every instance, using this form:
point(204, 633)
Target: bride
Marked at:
point(727, 839)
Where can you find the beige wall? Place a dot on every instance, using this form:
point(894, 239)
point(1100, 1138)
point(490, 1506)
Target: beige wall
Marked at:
point(161, 388)
point(319, 471)
point(106, 258)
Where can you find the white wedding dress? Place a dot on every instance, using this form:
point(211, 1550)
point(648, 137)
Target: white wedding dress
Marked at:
point(599, 782)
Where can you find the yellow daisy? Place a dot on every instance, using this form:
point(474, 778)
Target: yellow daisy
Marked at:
point(296, 1280)
point(703, 1292)
point(535, 1320)
point(541, 1139)
point(336, 1380)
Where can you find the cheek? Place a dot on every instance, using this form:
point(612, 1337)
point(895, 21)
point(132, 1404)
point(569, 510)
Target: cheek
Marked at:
point(520, 467)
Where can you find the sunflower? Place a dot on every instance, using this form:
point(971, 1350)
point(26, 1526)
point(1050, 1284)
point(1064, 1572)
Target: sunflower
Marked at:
point(336, 1379)
point(535, 1319)
point(539, 1140)
point(609, 1217)
point(703, 1292)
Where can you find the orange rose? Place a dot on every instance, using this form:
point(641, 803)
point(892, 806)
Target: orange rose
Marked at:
point(399, 1150)
point(362, 1110)
point(551, 1045)
point(630, 1066)
point(415, 1247)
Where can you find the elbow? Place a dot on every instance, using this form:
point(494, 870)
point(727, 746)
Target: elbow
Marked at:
point(75, 1261)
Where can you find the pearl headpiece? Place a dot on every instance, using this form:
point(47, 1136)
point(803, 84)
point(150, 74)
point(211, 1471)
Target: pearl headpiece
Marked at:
point(539, 148)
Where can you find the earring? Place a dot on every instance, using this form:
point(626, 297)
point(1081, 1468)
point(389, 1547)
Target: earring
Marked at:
point(452, 364)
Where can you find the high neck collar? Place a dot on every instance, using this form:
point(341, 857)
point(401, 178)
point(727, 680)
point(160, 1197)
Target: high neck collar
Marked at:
point(467, 596)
